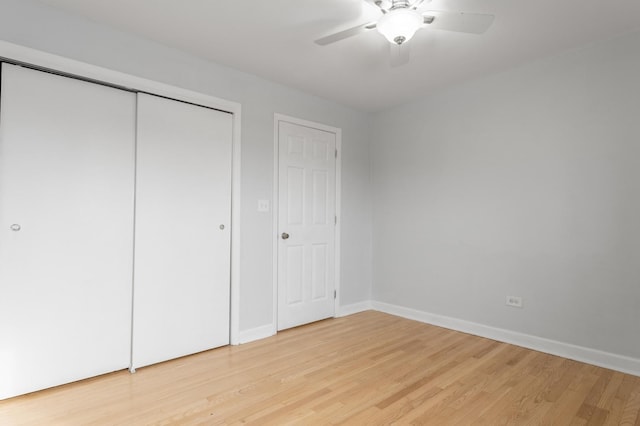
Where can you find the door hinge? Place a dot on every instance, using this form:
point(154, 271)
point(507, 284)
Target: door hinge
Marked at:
point(335, 294)
point(335, 220)
point(336, 152)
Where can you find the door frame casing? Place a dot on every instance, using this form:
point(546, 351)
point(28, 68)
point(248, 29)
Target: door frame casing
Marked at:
point(276, 206)
point(16, 53)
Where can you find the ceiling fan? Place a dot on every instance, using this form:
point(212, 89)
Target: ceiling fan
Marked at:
point(401, 19)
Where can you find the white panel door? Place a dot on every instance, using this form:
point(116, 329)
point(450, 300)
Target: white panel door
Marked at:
point(182, 244)
point(306, 224)
point(66, 229)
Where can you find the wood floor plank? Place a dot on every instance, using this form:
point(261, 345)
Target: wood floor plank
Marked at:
point(366, 369)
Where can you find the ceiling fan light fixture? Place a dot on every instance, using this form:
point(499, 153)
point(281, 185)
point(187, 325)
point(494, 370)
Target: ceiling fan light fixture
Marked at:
point(399, 25)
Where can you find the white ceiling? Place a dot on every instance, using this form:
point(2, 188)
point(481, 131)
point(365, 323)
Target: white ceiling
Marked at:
point(274, 39)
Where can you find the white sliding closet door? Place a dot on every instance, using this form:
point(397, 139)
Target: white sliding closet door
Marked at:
point(66, 229)
point(182, 243)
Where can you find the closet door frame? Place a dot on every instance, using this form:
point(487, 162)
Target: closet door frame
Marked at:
point(20, 55)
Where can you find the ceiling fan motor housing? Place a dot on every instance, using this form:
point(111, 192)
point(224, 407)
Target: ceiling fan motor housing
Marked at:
point(400, 4)
point(387, 5)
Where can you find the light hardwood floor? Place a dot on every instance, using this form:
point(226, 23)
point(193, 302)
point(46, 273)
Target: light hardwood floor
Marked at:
point(366, 369)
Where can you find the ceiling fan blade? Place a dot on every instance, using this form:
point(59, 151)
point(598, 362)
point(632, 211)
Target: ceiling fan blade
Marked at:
point(417, 4)
point(383, 5)
point(399, 54)
point(341, 35)
point(472, 23)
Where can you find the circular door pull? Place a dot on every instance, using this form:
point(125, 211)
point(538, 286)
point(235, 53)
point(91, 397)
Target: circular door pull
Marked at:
point(221, 227)
point(285, 236)
point(15, 227)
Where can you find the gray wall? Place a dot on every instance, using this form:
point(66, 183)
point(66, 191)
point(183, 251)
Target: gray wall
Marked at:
point(523, 183)
point(33, 25)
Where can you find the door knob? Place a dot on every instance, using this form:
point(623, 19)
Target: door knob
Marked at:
point(285, 236)
point(15, 227)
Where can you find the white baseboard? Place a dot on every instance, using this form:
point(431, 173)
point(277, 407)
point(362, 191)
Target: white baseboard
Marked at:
point(269, 330)
point(579, 353)
point(353, 308)
point(257, 333)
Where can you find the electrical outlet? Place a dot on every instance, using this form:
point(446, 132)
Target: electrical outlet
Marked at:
point(514, 301)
